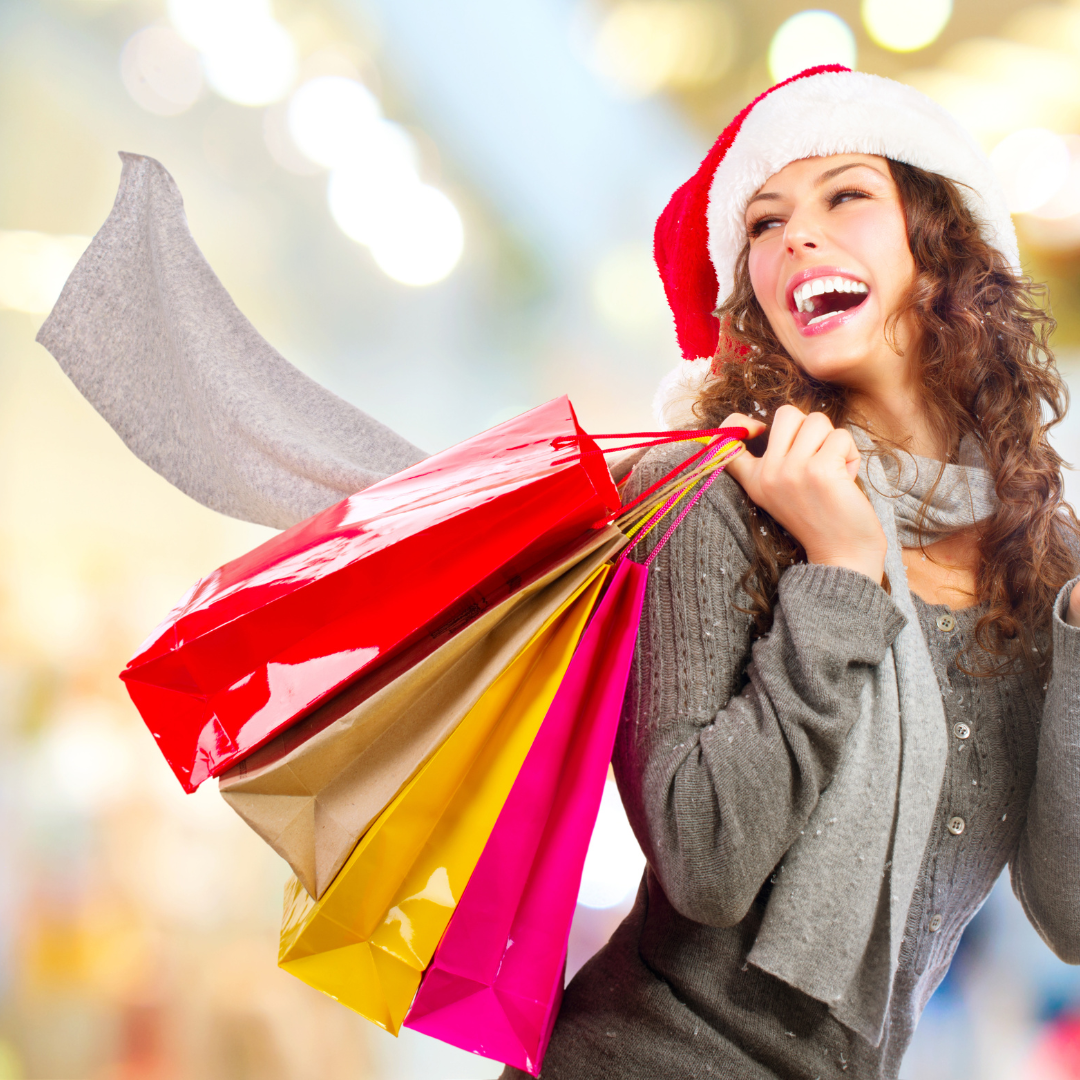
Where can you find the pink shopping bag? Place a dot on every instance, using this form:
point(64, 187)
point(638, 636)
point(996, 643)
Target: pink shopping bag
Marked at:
point(495, 982)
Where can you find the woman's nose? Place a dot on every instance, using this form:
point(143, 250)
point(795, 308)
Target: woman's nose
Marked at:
point(800, 234)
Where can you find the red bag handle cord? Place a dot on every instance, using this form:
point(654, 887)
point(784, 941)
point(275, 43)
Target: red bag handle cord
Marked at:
point(736, 433)
point(653, 438)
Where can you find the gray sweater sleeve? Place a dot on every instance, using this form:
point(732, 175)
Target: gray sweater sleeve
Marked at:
point(720, 761)
point(1046, 866)
point(151, 338)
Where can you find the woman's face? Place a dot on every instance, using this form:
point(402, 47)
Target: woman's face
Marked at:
point(830, 263)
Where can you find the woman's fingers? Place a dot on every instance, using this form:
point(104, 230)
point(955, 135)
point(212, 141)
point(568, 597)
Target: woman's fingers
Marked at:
point(744, 464)
point(753, 427)
point(852, 457)
point(814, 431)
point(785, 426)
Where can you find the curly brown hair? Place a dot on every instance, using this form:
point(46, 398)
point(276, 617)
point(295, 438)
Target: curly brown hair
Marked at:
point(988, 372)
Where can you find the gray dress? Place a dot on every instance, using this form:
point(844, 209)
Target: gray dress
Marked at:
point(722, 753)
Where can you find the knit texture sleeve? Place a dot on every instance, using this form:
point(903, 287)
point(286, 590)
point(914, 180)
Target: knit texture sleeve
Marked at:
point(149, 335)
point(724, 749)
point(1046, 866)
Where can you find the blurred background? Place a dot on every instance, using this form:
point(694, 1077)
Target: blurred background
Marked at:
point(442, 210)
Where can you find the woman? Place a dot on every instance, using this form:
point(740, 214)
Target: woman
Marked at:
point(851, 701)
point(831, 744)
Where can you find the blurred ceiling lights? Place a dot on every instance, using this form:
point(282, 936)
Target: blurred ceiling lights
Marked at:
point(1033, 165)
point(643, 46)
point(1019, 94)
point(1030, 76)
point(375, 192)
point(248, 56)
point(905, 25)
point(34, 267)
point(808, 39)
point(333, 122)
point(161, 71)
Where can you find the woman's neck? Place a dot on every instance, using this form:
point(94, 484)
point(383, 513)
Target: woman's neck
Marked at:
point(898, 414)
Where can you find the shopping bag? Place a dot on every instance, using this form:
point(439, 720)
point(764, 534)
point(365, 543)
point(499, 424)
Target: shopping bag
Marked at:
point(412, 559)
point(369, 938)
point(495, 982)
point(313, 790)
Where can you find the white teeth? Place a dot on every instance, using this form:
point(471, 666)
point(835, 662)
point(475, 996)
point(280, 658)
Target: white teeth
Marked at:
point(805, 293)
point(819, 318)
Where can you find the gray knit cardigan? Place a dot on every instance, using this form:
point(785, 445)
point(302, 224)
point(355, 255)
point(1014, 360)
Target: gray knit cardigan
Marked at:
point(723, 751)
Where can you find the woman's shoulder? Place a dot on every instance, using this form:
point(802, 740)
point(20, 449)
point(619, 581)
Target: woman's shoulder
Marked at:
point(724, 502)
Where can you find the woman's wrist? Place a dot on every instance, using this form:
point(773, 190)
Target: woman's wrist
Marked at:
point(869, 560)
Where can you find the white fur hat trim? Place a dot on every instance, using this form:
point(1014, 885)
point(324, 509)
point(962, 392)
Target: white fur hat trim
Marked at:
point(848, 113)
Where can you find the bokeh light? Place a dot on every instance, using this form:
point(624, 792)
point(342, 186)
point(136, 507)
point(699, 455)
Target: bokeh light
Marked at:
point(905, 25)
point(414, 231)
point(808, 39)
point(1065, 202)
point(995, 85)
point(34, 267)
point(330, 117)
point(374, 191)
point(248, 57)
point(161, 71)
point(1032, 165)
point(627, 292)
point(647, 45)
point(614, 864)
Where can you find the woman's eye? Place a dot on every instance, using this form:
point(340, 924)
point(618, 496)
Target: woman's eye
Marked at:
point(756, 228)
point(846, 195)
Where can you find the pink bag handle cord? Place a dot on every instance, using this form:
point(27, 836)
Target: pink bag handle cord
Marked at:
point(712, 450)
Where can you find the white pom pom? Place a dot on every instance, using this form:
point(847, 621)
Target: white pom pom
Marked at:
point(673, 405)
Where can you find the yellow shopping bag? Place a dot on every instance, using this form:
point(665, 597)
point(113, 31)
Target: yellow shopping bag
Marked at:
point(367, 941)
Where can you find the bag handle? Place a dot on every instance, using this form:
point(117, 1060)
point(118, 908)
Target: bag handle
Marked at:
point(652, 438)
point(659, 438)
point(712, 451)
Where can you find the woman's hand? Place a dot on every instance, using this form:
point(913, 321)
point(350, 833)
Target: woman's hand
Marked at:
point(806, 481)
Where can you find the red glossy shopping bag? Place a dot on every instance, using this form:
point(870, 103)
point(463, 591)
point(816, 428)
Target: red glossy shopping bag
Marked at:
point(404, 563)
point(495, 982)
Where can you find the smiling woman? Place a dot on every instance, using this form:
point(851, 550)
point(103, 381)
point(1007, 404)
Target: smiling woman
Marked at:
point(947, 344)
point(853, 201)
point(843, 274)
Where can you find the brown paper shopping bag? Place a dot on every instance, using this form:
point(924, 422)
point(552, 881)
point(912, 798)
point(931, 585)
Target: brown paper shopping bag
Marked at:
point(313, 791)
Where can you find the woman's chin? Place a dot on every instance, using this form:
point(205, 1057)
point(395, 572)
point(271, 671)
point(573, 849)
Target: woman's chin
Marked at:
point(840, 363)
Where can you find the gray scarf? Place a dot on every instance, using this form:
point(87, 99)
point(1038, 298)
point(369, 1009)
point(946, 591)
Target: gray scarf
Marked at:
point(836, 916)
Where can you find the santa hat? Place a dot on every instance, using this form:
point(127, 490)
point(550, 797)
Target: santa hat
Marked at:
point(821, 111)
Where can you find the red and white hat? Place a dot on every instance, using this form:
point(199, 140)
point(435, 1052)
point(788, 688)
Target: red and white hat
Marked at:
point(821, 111)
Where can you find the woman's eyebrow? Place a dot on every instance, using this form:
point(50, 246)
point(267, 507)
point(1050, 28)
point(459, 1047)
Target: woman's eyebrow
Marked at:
point(824, 178)
point(828, 174)
point(763, 195)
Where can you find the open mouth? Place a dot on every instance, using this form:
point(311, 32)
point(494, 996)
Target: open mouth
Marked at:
point(816, 301)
